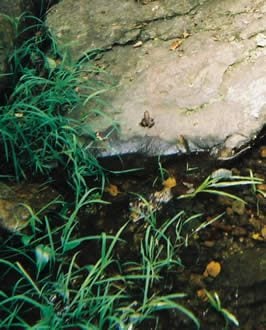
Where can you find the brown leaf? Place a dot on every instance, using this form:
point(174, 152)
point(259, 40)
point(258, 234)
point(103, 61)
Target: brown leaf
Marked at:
point(213, 269)
point(138, 44)
point(176, 44)
point(112, 190)
point(201, 293)
point(170, 182)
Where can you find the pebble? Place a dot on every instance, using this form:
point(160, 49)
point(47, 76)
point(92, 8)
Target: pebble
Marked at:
point(263, 152)
point(239, 231)
point(224, 200)
point(229, 211)
point(239, 207)
point(209, 244)
point(256, 223)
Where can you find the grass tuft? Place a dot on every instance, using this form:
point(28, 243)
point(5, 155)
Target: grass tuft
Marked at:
point(37, 133)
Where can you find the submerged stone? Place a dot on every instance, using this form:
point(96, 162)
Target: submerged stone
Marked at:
point(20, 202)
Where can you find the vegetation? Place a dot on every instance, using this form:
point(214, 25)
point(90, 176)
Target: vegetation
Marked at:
point(45, 283)
point(215, 302)
point(35, 134)
point(64, 293)
point(52, 276)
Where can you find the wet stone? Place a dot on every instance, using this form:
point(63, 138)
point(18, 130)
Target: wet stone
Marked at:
point(244, 269)
point(263, 152)
point(19, 201)
point(239, 207)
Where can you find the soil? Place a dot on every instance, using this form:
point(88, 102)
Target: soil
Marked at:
point(236, 240)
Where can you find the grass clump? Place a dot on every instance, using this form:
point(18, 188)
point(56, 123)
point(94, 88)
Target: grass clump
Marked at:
point(35, 134)
point(57, 287)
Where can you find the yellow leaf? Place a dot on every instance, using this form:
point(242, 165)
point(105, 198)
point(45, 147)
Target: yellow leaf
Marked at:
point(213, 269)
point(201, 293)
point(256, 237)
point(170, 182)
point(175, 44)
point(112, 190)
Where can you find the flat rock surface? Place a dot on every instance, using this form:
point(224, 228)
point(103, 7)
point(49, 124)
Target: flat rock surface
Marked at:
point(197, 68)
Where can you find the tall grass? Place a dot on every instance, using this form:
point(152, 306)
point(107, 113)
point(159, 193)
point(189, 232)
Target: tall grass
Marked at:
point(35, 133)
point(51, 287)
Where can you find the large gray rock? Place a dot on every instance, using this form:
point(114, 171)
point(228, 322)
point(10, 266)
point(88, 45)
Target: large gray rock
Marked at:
point(199, 70)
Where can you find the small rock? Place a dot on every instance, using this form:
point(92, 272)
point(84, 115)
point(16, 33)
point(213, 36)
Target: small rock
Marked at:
point(239, 207)
point(263, 152)
point(197, 280)
point(229, 211)
point(239, 231)
point(256, 223)
point(224, 200)
point(222, 173)
point(261, 40)
point(209, 244)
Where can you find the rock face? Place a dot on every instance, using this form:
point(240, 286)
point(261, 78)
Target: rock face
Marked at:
point(198, 68)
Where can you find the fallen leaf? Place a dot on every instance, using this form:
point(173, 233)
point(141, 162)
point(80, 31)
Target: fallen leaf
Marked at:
point(170, 182)
point(175, 44)
point(263, 232)
point(256, 237)
point(112, 190)
point(186, 34)
point(263, 152)
point(201, 293)
point(213, 269)
point(261, 187)
point(137, 44)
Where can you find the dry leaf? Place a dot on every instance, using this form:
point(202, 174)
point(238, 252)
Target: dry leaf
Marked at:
point(263, 152)
point(186, 34)
point(112, 190)
point(170, 182)
point(261, 187)
point(175, 44)
point(201, 293)
point(256, 237)
point(263, 232)
point(137, 44)
point(213, 269)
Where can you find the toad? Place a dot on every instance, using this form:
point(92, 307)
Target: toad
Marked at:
point(147, 121)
